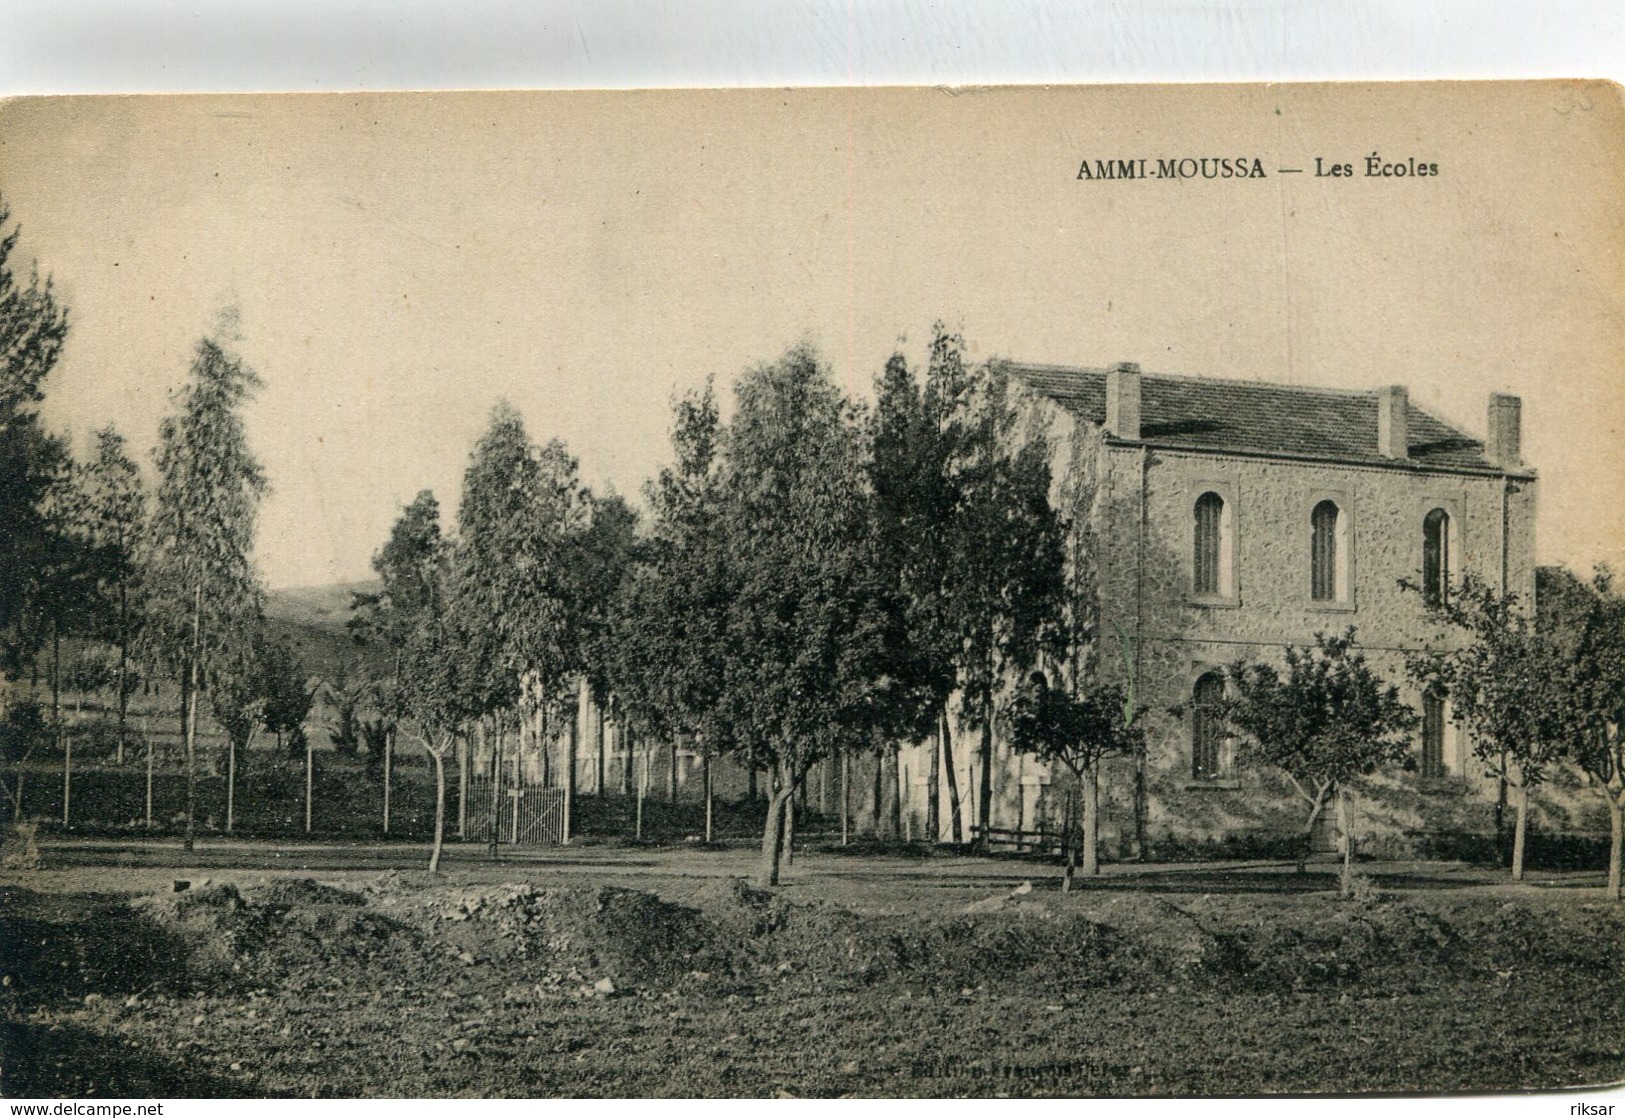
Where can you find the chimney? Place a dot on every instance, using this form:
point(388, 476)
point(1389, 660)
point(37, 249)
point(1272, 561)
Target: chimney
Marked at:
point(1501, 445)
point(1123, 401)
point(1392, 433)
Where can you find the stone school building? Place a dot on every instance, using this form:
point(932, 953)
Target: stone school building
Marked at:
point(1227, 520)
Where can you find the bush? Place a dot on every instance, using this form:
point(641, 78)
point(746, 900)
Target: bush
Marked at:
point(23, 730)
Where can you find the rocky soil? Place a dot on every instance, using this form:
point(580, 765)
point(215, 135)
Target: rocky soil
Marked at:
point(411, 987)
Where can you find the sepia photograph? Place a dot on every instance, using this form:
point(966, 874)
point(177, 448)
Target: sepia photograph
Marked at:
point(813, 593)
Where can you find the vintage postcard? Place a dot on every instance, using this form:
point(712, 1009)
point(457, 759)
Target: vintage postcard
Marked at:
point(813, 592)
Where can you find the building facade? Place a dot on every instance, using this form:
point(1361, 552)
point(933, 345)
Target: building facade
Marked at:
point(1213, 521)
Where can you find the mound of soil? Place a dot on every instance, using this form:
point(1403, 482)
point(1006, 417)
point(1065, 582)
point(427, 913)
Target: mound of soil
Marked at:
point(288, 932)
point(630, 937)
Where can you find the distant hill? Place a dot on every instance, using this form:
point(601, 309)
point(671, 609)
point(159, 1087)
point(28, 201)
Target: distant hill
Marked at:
point(319, 607)
point(313, 619)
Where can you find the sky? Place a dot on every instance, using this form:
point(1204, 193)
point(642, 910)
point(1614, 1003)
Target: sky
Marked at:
point(402, 262)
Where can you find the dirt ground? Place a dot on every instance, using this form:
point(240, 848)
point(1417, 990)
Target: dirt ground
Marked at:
point(344, 970)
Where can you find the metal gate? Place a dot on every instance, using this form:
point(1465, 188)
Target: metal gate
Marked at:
point(524, 816)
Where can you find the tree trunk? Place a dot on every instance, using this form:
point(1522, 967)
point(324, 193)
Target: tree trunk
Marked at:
point(570, 774)
point(933, 794)
point(671, 774)
point(897, 792)
point(462, 786)
point(1308, 847)
point(56, 681)
point(623, 738)
point(123, 668)
point(231, 783)
point(750, 783)
point(1070, 840)
point(823, 788)
point(846, 799)
point(1091, 822)
point(603, 762)
point(1616, 840)
point(956, 821)
point(545, 746)
point(1520, 831)
point(1141, 846)
point(389, 757)
point(191, 715)
point(790, 830)
point(705, 763)
point(767, 869)
point(310, 781)
point(643, 788)
point(1346, 885)
point(147, 735)
point(494, 738)
point(877, 802)
point(67, 777)
point(984, 796)
point(439, 807)
point(1501, 814)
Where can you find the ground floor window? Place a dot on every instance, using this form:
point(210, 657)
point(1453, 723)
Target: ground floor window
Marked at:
point(1207, 727)
point(1433, 734)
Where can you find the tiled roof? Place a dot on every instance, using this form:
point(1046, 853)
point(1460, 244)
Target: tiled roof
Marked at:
point(1198, 413)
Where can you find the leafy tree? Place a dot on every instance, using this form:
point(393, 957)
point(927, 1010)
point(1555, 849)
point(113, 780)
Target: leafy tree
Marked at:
point(348, 691)
point(408, 567)
point(515, 586)
point(1507, 686)
point(409, 611)
point(912, 509)
point(667, 643)
point(111, 520)
point(33, 327)
point(803, 653)
point(1006, 585)
point(201, 580)
point(1586, 620)
point(1330, 719)
point(287, 694)
point(23, 729)
point(605, 554)
point(65, 597)
point(1079, 731)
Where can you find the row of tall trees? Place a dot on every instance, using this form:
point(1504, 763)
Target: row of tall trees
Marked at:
point(817, 579)
point(165, 580)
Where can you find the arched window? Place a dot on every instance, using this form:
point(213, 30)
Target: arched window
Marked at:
point(1325, 545)
point(1432, 733)
point(1207, 727)
point(1436, 557)
point(1210, 560)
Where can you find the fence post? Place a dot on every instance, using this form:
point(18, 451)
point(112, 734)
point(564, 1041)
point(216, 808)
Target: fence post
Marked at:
point(518, 791)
